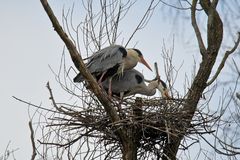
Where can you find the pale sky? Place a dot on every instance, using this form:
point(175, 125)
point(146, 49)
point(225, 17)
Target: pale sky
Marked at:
point(29, 44)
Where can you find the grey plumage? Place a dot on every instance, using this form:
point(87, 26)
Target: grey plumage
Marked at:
point(103, 60)
point(132, 82)
point(106, 58)
point(125, 83)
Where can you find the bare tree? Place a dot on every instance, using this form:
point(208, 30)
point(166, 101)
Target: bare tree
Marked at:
point(138, 128)
point(8, 153)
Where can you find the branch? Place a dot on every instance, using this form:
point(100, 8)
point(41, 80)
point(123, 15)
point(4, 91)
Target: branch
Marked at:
point(34, 153)
point(53, 100)
point(78, 62)
point(144, 20)
point(33, 105)
point(227, 53)
point(209, 56)
point(214, 3)
point(196, 29)
point(214, 26)
point(238, 71)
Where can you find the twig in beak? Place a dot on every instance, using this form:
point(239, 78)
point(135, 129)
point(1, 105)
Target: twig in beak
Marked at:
point(157, 73)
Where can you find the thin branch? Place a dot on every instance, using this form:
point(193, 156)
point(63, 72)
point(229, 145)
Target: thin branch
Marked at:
point(33, 105)
point(238, 71)
point(227, 53)
point(176, 7)
point(34, 152)
point(196, 29)
point(53, 100)
point(146, 17)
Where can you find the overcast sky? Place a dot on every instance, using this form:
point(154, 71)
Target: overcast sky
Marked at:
point(29, 44)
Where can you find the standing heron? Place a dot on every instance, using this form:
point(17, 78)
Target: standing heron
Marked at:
point(132, 82)
point(111, 61)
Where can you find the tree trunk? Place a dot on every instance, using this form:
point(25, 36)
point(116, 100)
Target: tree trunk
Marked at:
point(134, 133)
point(171, 148)
point(214, 36)
point(130, 150)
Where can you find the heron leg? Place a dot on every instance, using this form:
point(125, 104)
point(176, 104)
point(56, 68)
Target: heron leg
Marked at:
point(110, 88)
point(100, 79)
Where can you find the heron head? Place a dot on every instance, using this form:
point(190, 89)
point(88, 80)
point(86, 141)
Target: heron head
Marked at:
point(162, 87)
point(136, 54)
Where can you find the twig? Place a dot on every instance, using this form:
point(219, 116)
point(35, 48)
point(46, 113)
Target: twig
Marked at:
point(33, 105)
point(53, 100)
point(157, 74)
point(34, 152)
point(143, 20)
point(238, 71)
point(221, 65)
point(156, 69)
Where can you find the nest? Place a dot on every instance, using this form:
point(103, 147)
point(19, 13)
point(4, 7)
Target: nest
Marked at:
point(153, 121)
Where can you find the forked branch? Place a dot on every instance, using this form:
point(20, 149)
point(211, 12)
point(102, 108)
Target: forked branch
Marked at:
point(196, 29)
point(221, 65)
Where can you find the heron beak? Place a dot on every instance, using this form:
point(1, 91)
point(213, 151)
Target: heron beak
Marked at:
point(142, 60)
point(167, 95)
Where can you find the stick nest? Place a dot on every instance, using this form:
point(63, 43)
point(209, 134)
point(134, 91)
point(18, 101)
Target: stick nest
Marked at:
point(151, 121)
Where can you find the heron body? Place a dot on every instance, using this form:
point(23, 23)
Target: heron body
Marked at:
point(110, 61)
point(132, 82)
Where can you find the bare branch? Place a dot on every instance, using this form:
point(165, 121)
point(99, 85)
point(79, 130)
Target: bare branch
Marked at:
point(8, 153)
point(33, 105)
point(221, 65)
point(214, 27)
point(146, 17)
point(196, 29)
point(34, 152)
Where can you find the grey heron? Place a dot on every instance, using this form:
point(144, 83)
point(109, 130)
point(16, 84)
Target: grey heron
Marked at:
point(132, 82)
point(110, 61)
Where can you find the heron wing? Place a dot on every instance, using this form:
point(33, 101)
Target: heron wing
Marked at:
point(106, 58)
point(103, 60)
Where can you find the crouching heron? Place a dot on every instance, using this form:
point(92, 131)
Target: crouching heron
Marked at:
point(132, 82)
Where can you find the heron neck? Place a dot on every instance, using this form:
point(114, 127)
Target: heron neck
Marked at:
point(130, 62)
